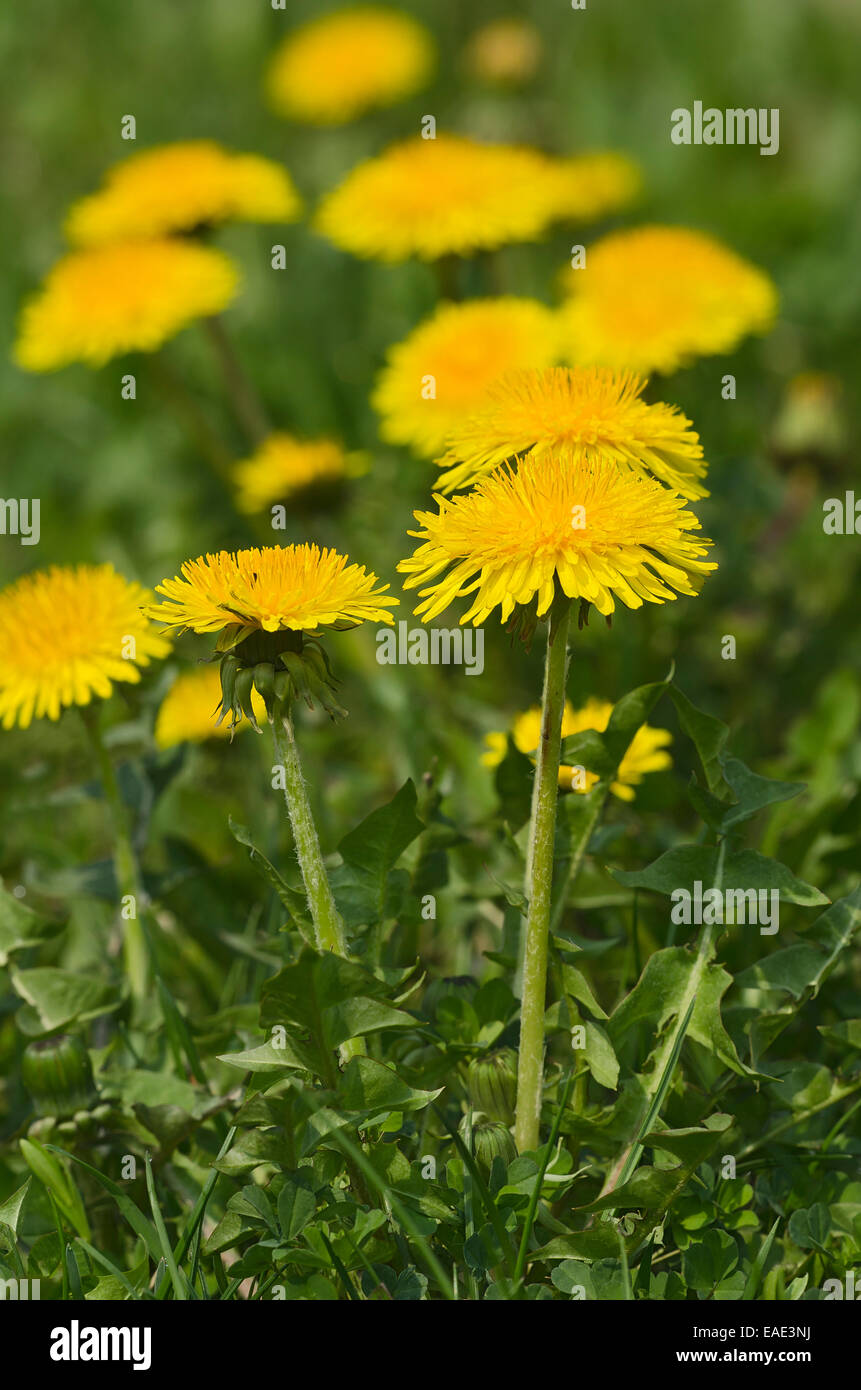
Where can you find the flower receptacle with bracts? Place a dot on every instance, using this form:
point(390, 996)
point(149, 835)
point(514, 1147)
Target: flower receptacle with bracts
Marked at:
point(282, 667)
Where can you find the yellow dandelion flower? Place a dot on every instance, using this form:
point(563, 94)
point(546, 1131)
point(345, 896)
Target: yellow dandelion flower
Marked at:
point(125, 297)
point(592, 410)
point(178, 187)
point(593, 529)
point(335, 68)
point(646, 751)
point(654, 298)
point(297, 587)
point(507, 51)
point(439, 375)
point(188, 712)
point(283, 467)
point(431, 198)
point(495, 748)
point(66, 634)
point(593, 185)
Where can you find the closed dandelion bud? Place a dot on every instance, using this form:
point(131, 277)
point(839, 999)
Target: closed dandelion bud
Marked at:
point(58, 1075)
point(492, 1084)
point(490, 1139)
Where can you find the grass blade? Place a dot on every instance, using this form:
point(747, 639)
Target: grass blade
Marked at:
point(139, 1295)
point(178, 1286)
point(136, 1219)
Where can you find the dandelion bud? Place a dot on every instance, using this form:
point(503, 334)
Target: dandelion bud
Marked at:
point(57, 1073)
point(492, 1084)
point(490, 1139)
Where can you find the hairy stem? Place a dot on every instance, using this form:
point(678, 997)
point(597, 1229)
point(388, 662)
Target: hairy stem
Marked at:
point(328, 927)
point(539, 881)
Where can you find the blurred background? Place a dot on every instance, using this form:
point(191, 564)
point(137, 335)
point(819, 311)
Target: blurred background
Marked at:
point(124, 481)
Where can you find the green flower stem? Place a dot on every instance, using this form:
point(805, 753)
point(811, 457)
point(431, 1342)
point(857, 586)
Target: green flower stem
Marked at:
point(328, 927)
point(135, 953)
point(539, 881)
point(247, 405)
point(448, 270)
point(193, 420)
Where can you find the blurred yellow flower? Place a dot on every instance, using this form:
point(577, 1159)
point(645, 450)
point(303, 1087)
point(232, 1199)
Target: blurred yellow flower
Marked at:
point(283, 466)
point(655, 298)
point(431, 198)
point(296, 587)
point(592, 185)
point(811, 420)
point(591, 410)
point(439, 375)
point(335, 68)
point(594, 530)
point(66, 634)
point(496, 746)
point(646, 752)
point(124, 297)
point(189, 709)
point(177, 188)
point(507, 51)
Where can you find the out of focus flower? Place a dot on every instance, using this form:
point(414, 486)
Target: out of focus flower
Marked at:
point(439, 375)
point(189, 709)
point(506, 51)
point(123, 297)
point(66, 635)
point(335, 68)
point(593, 185)
point(447, 196)
point(811, 422)
point(283, 468)
point(646, 752)
point(655, 298)
point(177, 188)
